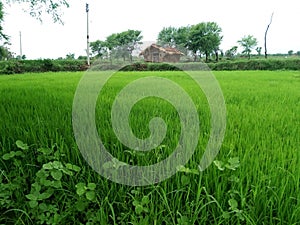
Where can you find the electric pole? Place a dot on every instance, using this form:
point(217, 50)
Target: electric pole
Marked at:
point(87, 36)
point(21, 54)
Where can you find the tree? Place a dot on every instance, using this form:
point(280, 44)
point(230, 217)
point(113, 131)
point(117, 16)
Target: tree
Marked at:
point(130, 39)
point(290, 52)
point(23, 57)
point(181, 38)
point(2, 35)
point(266, 53)
point(174, 37)
point(231, 52)
point(5, 53)
point(123, 44)
point(36, 8)
point(258, 50)
point(70, 56)
point(193, 42)
point(166, 37)
point(205, 38)
point(248, 43)
point(99, 48)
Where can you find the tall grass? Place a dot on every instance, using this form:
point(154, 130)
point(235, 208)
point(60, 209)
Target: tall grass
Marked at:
point(254, 180)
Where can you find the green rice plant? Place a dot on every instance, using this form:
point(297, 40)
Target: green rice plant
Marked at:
point(253, 180)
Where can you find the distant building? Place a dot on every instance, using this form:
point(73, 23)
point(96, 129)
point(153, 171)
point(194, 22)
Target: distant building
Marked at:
point(156, 53)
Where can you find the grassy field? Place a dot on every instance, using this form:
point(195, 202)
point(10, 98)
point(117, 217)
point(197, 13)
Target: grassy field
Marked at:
point(255, 179)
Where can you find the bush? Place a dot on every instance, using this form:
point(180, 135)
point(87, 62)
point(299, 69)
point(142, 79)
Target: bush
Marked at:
point(45, 65)
point(257, 64)
point(162, 67)
point(135, 67)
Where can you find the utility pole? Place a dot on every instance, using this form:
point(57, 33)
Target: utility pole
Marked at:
point(21, 54)
point(87, 36)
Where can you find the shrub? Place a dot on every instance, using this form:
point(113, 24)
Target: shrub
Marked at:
point(44, 65)
point(162, 67)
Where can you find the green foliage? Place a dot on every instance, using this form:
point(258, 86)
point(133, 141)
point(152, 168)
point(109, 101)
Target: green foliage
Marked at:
point(135, 67)
point(257, 64)
point(37, 8)
point(231, 52)
point(70, 56)
point(122, 44)
point(49, 182)
point(252, 64)
point(258, 50)
point(2, 35)
point(5, 53)
point(99, 48)
point(150, 67)
point(248, 43)
point(44, 65)
point(47, 65)
point(204, 38)
point(87, 190)
point(254, 179)
point(174, 37)
point(166, 37)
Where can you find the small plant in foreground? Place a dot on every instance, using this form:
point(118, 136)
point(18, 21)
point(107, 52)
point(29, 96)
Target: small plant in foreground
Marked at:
point(232, 164)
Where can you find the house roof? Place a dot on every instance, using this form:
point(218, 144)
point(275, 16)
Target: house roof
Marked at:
point(168, 50)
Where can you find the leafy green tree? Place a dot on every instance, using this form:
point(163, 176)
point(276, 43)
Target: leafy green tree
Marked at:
point(123, 44)
point(174, 37)
point(248, 43)
point(166, 37)
point(70, 56)
point(99, 48)
point(2, 35)
point(23, 57)
point(36, 8)
point(258, 50)
point(290, 52)
point(116, 46)
point(230, 53)
point(205, 38)
point(5, 53)
point(130, 39)
point(111, 41)
point(181, 38)
point(298, 53)
point(193, 43)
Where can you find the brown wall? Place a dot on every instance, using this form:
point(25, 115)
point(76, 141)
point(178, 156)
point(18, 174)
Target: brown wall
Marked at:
point(154, 55)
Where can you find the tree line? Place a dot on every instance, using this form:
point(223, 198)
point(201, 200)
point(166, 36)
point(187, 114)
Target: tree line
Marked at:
point(202, 39)
point(117, 45)
point(195, 41)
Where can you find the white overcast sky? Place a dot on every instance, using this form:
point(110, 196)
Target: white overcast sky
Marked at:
point(236, 18)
